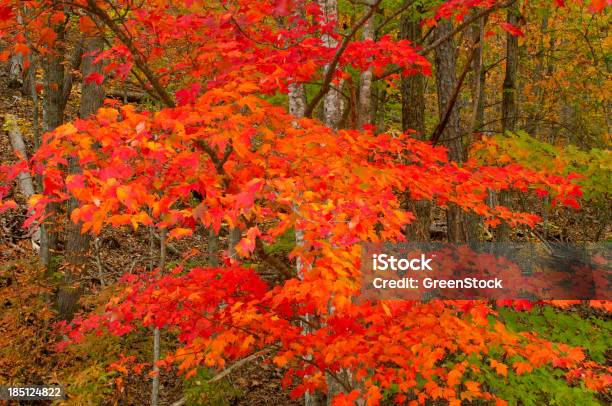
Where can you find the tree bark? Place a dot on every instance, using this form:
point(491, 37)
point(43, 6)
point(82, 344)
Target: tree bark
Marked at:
point(156, 332)
point(78, 243)
point(26, 185)
point(213, 248)
point(53, 116)
point(509, 106)
point(413, 118)
point(235, 234)
point(478, 76)
point(331, 99)
point(364, 102)
point(15, 71)
point(297, 100)
point(92, 98)
point(458, 229)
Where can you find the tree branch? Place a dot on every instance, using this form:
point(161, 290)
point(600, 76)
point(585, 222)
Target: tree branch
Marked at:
point(435, 136)
point(467, 22)
point(123, 37)
point(329, 74)
point(387, 20)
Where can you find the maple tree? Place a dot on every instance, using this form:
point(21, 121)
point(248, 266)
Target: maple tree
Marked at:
point(213, 68)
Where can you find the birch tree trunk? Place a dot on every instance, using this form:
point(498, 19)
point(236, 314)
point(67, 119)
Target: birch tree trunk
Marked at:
point(297, 107)
point(16, 71)
point(26, 185)
point(364, 102)
point(331, 101)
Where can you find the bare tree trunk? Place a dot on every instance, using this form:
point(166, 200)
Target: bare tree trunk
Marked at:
point(16, 71)
point(77, 243)
point(26, 185)
point(509, 105)
point(364, 103)
point(34, 97)
point(297, 100)
point(235, 234)
point(156, 353)
point(156, 332)
point(92, 98)
point(331, 101)
point(331, 117)
point(413, 118)
point(53, 115)
point(213, 248)
point(445, 59)
point(532, 123)
point(478, 76)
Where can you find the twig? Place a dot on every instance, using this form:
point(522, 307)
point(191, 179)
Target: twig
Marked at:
point(392, 16)
point(138, 60)
point(463, 25)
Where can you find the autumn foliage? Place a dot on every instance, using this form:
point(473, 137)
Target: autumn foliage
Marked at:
point(214, 66)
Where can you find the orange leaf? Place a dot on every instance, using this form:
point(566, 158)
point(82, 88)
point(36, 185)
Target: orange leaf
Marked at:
point(87, 25)
point(500, 368)
point(522, 367)
point(180, 233)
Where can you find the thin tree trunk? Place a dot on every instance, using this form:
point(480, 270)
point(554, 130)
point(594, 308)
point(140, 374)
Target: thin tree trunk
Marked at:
point(235, 234)
point(213, 248)
point(478, 76)
point(53, 115)
point(533, 119)
point(26, 185)
point(474, 222)
point(34, 97)
point(331, 100)
point(16, 71)
point(297, 107)
point(413, 118)
point(509, 105)
point(364, 103)
point(156, 332)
